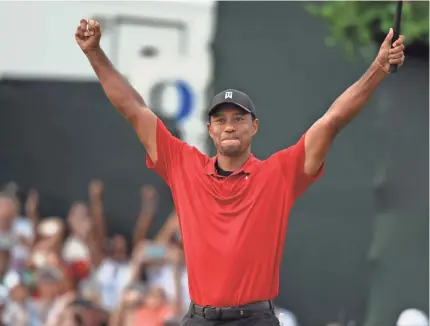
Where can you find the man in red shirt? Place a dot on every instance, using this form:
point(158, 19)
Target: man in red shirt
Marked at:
point(233, 208)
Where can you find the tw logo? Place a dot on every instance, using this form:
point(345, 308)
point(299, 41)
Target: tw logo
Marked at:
point(228, 95)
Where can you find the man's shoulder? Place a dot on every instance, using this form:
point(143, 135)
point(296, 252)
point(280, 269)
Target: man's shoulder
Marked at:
point(191, 155)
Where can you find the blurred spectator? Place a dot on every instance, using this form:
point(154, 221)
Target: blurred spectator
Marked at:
point(24, 230)
point(131, 300)
point(49, 287)
point(75, 250)
point(20, 309)
point(139, 306)
point(286, 318)
point(113, 274)
point(413, 317)
point(6, 245)
point(112, 266)
point(18, 230)
point(163, 275)
point(155, 310)
point(49, 241)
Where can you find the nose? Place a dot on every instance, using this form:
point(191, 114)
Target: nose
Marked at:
point(229, 128)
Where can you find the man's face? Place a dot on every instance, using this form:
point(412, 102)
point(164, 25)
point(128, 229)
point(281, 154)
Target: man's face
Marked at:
point(79, 220)
point(19, 293)
point(119, 248)
point(155, 298)
point(8, 212)
point(232, 129)
point(48, 290)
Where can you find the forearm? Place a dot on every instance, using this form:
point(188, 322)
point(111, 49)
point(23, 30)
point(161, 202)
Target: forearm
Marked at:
point(143, 222)
point(119, 91)
point(96, 253)
point(96, 205)
point(352, 101)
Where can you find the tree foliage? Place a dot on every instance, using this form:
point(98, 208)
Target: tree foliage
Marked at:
point(357, 25)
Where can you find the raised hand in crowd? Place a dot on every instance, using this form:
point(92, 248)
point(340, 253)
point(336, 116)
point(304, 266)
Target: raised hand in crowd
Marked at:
point(149, 200)
point(32, 213)
point(32, 206)
point(95, 188)
point(95, 191)
point(168, 230)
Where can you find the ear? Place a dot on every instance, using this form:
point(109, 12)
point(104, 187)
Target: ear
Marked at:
point(255, 124)
point(209, 129)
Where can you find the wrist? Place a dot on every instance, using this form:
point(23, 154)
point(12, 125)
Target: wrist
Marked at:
point(381, 68)
point(385, 68)
point(91, 51)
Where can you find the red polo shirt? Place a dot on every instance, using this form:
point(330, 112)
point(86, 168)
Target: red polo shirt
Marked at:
point(233, 228)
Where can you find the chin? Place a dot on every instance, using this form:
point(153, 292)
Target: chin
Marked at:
point(231, 151)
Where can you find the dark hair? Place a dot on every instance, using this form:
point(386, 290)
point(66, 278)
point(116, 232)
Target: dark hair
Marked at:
point(88, 305)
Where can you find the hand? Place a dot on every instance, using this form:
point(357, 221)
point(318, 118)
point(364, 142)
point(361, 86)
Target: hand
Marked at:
point(31, 203)
point(95, 188)
point(88, 35)
point(175, 256)
point(391, 54)
point(173, 221)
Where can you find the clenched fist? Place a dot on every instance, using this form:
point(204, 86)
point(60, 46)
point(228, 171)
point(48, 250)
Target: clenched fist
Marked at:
point(88, 35)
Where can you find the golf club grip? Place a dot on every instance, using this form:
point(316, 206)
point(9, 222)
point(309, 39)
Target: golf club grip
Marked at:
point(397, 20)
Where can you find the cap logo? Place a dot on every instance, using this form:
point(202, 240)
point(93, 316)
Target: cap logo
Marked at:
point(228, 95)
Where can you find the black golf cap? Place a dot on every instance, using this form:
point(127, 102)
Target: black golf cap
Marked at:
point(235, 97)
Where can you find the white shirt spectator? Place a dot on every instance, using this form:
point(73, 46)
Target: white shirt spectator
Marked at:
point(25, 314)
point(18, 314)
point(22, 227)
point(74, 249)
point(112, 277)
point(163, 277)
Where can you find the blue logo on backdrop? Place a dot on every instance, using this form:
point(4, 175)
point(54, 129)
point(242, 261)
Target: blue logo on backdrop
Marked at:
point(186, 98)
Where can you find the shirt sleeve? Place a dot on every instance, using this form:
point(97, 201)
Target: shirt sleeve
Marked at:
point(291, 161)
point(169, 149)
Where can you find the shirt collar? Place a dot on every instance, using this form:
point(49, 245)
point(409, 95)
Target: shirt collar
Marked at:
point(246, 168)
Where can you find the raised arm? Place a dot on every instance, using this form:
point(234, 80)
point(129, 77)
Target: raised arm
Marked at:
point(121, 94)
point(149, 197)
point(95, 191)
point(320, 136)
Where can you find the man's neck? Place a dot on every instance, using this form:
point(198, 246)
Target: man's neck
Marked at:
point(232, 164)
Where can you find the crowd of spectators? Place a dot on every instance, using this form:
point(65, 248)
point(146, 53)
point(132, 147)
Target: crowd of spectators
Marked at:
point(66, 271)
